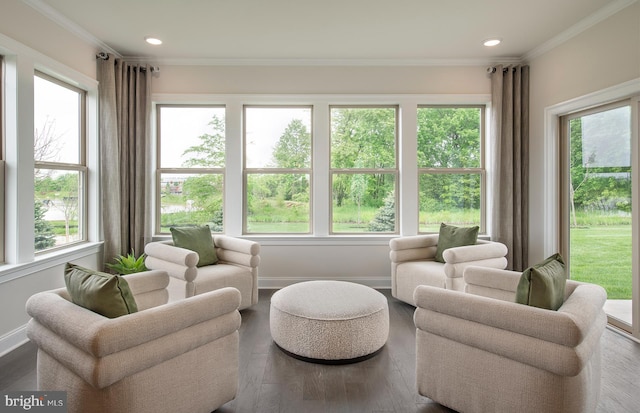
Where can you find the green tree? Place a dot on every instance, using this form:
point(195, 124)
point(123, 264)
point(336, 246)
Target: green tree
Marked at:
point(385, 218)
point(68, 186)
point(449, 138)
point(358, 190)
point(363, 138)
point(210, 152)
point(596, 185)
point(292, 151)
point(203, 193)
point(44, 237)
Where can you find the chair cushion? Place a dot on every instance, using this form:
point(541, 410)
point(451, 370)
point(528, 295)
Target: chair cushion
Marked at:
point(543, 284)
point(451, 236)
point(102, 293)
point(196, 239)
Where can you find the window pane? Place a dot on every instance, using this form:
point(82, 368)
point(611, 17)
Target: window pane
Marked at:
point(450, 198)
point(191, 199)
point(363, 137)
point(58, 200)
point(192, 137)
point(449, 137)
point(56, 122)
point(278, 137)
point(278, 203)
point(363, 203)
point(599, 205)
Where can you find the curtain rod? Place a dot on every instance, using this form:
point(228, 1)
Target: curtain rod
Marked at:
point(492, 69)
point(105, 56)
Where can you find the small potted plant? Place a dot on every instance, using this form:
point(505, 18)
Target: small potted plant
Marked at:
point(128, 264)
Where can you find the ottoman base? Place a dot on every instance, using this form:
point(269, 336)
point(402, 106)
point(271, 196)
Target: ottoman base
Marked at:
point(332, 362)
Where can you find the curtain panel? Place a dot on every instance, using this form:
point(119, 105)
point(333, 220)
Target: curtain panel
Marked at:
point(124, 126)
point(510, 161)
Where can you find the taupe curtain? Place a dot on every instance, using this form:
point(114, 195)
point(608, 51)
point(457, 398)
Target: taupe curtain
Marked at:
point(124, 126)
point(510, 161)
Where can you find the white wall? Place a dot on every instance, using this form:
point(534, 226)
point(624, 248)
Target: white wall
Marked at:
point(29, 41)
point(605, 55)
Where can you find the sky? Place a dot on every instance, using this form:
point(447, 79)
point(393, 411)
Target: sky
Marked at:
point(181, 128)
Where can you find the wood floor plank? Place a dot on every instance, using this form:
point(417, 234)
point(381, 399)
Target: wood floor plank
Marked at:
point(271, 381)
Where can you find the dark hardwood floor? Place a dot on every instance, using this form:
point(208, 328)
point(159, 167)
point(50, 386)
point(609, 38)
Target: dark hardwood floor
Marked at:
point(271, 381)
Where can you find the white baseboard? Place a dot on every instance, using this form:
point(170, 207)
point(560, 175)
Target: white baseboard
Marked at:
point(280, 282)
point(13, 340)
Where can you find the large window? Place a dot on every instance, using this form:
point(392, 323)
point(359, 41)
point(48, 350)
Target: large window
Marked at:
point(597, 211)
point(364, 170)
point(191, 161)
point(320, 166)
point(277, 142)
point(450, 166)
point(60, 166)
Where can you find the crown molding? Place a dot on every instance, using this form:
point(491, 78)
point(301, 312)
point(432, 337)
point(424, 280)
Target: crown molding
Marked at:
point(590, 21)
point(55, 16)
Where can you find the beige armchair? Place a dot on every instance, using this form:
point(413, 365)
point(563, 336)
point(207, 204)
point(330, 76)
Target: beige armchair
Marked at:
point(413, 263)
point(480, 354)
point(238, 268)
point(175, 357)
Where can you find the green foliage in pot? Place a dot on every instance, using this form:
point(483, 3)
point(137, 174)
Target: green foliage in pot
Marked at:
point(128, 264)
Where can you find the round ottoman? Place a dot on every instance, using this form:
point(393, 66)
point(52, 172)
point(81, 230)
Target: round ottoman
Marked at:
point(330, 322)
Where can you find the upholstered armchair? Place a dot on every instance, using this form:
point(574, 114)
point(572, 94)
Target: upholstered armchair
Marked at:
point(175, 357)
point(479, 351)
point(413, 263)
point(237, 267)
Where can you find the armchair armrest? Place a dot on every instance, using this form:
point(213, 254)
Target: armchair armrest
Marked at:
point(491, 282)
point(149, 288)
point(557, 341)
point(147, 281)
point(483, 250)
point(237, 250)
point(178, 262)
point(103, 351)
point(412, 248)
point(484, 253)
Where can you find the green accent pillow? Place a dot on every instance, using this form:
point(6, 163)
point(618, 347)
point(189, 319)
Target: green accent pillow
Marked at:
point(452, 236)
point(542, 285)
point(103, 293)
point(196, 239)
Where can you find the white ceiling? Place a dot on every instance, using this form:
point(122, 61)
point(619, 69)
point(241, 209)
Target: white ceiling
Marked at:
point(373, 31)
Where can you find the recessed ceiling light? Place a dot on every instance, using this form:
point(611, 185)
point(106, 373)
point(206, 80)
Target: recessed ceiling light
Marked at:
point(153, 40)
point(492, 42)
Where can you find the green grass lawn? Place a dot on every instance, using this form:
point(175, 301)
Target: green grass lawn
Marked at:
point(601, 254)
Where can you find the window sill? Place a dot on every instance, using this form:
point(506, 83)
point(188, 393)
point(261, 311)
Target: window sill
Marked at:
point(43, 261)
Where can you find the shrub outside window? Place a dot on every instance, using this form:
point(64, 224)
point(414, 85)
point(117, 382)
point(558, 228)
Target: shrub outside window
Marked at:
point(277, 172)
point(450, 166)
point(191, 165)
point(60, 167)
point(364, 171)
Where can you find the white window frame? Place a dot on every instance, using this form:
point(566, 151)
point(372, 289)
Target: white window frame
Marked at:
point(481, 170)
point(368, 171)
point(275, 171)
point(182, 170)
point(80, 166)
point(406, 189)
